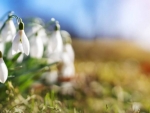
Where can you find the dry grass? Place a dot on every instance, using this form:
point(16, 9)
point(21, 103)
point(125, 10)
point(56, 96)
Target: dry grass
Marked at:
point(108, 50)
point(119, 76)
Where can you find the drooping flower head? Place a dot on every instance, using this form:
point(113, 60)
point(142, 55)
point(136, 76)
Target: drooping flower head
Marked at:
point(55, 45)
point(3, 70)
point(36, 25)
point(20, 42)
point(57, 36)
point(8, 31)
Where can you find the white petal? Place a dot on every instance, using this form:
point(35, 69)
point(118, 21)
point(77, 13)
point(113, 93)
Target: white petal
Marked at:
point(25, 42)
point(50, 77)
point(36, 47)
point(40, 47)
point(58, 37)
point(12, 27)
point(17, 45)
point(68, 70)
point(41, 32)
point(55, 45)
point(52, 42)
point(20, 48)
point(17, 48)
point(66, 58)
point(69, 50)
point(9, 31)
point(3, 71)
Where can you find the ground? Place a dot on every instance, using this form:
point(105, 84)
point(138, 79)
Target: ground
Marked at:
point(112, 76)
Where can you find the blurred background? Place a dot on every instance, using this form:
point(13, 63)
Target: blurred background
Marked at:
point(127, 19)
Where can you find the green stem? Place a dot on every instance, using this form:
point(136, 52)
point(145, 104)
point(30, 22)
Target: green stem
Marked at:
point(8, 13)
point(21, 25)
point(17, 18)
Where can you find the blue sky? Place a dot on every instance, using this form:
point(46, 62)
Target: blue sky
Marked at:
point(74, 15)
point(88, 18)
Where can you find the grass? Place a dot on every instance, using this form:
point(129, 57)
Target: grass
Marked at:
point(111, 77)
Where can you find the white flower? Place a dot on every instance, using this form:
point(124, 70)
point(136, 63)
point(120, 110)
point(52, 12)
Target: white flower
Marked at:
point(20, 42)
point(50, 77)
point(37, 47)
point(67, 44)
point(3, 70)
point(68, 70)
point(9, 31)
point(69, 50)
point(41, 32)
point(67, 59)
point(55, 46)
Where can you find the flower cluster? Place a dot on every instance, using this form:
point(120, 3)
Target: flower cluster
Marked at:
point(54, 45)
point(20, 41)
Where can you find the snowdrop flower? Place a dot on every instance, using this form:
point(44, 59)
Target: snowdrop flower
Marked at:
point(20, 42)
point(36, 26)
point(67, 44)
point(8, 31)
point(55, 45)
point(37, 47)
point(50, 77)
point(3, 70)
point(67, 69)
point(55, 42)
point(69, 50)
